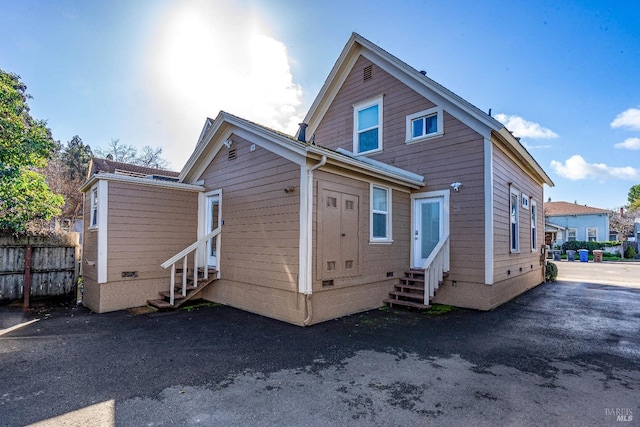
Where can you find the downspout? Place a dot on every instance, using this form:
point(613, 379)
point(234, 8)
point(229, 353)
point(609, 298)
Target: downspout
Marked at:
point(308, 307)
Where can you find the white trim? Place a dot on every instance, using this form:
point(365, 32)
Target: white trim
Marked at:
point(446, 195)
point(103, 232)
point(93, 207)
point(488, 212)
point(389, 215)
point(513, 191)
point(141, 181)
point(409, 139)
point(304, 237)
point(362, 106)
point(534, 225)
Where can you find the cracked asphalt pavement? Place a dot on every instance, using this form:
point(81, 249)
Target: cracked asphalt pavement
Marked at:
point(564, 353)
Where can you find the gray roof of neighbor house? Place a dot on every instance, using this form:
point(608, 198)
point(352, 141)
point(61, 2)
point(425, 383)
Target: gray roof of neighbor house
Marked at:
point(110, 166)
point(566, 208)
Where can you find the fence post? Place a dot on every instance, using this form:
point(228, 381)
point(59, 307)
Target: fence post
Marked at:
point(27, 277)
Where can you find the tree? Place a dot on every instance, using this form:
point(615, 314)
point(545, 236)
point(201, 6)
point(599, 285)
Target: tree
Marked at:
point(118, 152)
point(151, 158)
point(622, 223)
point(25, 144)
point(65, 174)
point(634, 196)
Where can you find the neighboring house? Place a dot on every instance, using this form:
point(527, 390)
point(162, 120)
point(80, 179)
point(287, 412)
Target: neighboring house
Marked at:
point(566, 221)
point(390, 172)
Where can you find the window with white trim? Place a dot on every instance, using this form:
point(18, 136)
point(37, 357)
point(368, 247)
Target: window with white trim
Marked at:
point(592, 234)
point(367, 126)
point(424, 124)
point(514, 212)
point(94, 208)
point(572, 235)
point(380, 220)
point(534, 218)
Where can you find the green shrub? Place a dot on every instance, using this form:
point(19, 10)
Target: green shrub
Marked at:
point(630, 252)
point(550, 272)
point(577, 244)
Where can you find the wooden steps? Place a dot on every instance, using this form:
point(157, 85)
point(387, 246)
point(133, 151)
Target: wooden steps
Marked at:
point(179, 299)
point(409, 291)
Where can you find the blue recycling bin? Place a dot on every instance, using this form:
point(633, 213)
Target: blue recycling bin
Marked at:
point(584, 255)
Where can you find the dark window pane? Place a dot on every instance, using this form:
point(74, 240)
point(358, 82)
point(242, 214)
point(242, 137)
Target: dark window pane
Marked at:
point(368, 141)
point(379, 225)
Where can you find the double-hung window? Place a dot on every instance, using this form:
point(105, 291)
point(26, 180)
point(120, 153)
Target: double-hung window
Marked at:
point(94, 208)
point(380, 220)
point(514, 213)
point(534, 218)
point(424, 124)
point(592, 234)
point(572, 235)
point(367, 126)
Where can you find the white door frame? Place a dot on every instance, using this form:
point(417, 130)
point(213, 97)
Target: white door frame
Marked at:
point(443, 196)
point(204, 220)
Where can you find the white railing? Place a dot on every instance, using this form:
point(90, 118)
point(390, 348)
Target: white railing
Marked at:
point(434, 268)
point(199, 247)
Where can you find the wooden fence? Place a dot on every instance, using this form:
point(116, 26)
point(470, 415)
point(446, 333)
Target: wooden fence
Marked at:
point(46, 265)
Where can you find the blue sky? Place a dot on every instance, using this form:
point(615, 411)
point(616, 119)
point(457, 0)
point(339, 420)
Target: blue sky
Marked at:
point(563, 75)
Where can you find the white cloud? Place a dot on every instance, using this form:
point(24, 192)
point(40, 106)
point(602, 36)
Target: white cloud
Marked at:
point(206, 58)
point(576, 168)
point(629, 119)
point(629, 144)
point(522, 128)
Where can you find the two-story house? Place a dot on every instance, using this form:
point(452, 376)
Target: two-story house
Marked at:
point(394, 189)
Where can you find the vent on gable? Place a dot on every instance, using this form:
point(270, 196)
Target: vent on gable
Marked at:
point(367, 73)
point(233, 153)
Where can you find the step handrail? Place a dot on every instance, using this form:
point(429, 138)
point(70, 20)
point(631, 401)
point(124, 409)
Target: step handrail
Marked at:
point(183, 254)
point(434, 266)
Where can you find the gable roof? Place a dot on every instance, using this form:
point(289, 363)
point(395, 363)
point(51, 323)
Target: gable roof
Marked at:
point(472, 116)
point(98, 165)
point(216, 131)
point(566, 208)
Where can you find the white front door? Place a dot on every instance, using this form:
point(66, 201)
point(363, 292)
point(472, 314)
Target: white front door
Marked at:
point(428, 227)
point(212, 222)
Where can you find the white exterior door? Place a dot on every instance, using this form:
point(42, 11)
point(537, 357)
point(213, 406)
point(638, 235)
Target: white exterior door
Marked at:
point(428, 227)
point(213, 221)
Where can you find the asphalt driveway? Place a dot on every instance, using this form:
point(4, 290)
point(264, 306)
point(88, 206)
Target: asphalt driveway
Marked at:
point(565, 353)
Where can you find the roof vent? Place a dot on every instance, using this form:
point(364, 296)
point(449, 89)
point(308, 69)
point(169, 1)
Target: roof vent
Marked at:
point(367, 73)
point(423, 72)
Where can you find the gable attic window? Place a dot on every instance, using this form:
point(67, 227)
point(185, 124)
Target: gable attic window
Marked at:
point(424, 124)
point(367, 126)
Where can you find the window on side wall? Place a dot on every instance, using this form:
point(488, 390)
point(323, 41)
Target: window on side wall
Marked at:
point(94, 208)
point(572, 235)
point(423, 125)
point(380, 228)
point(592, 234)
point(514, 213)
point(367, 126)
point(534, 218)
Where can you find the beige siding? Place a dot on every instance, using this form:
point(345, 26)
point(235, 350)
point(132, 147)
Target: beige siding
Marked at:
point(458, 155)
point(512, 265)
point(350, 294)
point(260, 237)
point(146, 226)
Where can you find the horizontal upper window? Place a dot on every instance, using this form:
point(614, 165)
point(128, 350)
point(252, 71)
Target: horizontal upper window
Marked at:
point(424, 124)
point(367, 126)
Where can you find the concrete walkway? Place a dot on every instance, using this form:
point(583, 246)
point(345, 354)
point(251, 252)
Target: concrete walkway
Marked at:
point(607, 273)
